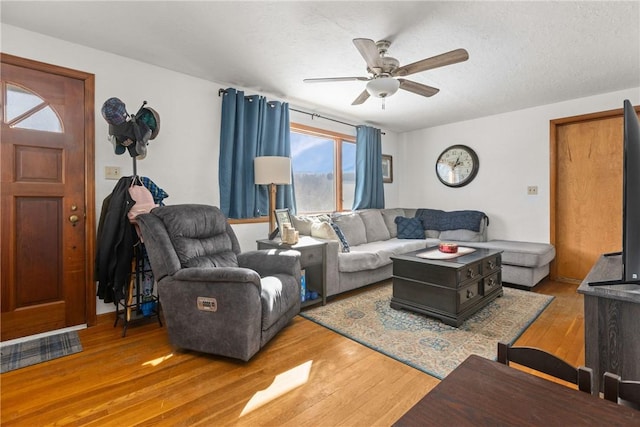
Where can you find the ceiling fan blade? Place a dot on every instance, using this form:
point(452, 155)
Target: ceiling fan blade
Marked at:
point(453, 57)
point(417, 88)
point(361, 98)
point(369, 52)
point(336, 79)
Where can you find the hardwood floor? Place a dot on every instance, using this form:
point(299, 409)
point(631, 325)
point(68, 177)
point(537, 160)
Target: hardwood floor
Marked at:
point(306, 376)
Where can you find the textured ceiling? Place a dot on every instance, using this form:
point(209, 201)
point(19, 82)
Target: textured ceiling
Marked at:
point(522, 54)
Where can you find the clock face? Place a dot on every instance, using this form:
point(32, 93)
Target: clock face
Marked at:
point(457, 166)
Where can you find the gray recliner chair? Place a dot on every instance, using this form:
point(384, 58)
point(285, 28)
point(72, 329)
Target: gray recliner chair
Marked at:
point(216, 299)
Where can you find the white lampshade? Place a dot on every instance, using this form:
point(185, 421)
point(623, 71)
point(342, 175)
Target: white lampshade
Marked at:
point(383, 87)
point(272, 170)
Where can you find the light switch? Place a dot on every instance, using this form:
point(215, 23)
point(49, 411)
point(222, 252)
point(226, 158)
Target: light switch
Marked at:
point(112, 172)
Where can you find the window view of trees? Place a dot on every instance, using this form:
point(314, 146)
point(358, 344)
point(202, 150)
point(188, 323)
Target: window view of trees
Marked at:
point(321, 185)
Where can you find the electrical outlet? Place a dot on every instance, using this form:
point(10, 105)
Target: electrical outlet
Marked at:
point(532, 190)
point(112, 172)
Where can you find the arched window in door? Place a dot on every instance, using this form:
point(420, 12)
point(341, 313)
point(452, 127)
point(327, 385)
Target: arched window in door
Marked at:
point(26, 110)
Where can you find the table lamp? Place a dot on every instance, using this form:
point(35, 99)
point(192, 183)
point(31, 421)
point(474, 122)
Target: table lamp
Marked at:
point(272, 171)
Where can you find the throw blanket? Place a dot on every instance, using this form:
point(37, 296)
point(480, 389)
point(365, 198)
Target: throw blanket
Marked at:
point(433, 219)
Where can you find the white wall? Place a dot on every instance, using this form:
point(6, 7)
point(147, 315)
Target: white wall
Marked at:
point(513, 149)
point(183, 159)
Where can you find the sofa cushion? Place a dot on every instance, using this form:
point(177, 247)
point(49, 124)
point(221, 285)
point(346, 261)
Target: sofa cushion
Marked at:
point(374, 225)
point(352, 227)
point(323, 230)
point(359, 259)
point(397, 246)
point(389, 216)
point(303, 223)
point(410, 212)
point(461, 235)
point(327, 231)
point(370, 256)
point(409, 228)
point(432, 234)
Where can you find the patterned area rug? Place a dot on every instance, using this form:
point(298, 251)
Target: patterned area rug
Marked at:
point(423, 342)
point(39, 350)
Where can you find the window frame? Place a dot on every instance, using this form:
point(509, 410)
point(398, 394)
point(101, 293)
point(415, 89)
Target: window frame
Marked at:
point(338, 138)
point(18, 121)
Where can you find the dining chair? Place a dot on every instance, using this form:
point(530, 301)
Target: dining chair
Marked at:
point(624, 392)
point(547, 363)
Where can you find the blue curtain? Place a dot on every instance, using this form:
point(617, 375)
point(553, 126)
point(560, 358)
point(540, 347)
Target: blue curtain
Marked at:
point(369, 192)
point(251, 127)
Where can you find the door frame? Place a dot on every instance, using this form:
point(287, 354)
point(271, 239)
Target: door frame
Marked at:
point(553, 166)
point(89, 167)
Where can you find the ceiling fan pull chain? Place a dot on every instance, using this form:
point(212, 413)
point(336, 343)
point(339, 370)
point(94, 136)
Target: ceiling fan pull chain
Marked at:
point(383, 102)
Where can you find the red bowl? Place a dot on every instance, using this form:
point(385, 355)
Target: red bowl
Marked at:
point(448, 248)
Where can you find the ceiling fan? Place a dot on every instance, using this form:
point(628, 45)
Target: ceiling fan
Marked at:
point(385, 72)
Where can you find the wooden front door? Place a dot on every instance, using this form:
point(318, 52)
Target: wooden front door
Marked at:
point(46, 217)
point(586, 202)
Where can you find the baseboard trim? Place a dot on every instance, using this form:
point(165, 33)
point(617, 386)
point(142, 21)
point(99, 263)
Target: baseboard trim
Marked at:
point(42, 335)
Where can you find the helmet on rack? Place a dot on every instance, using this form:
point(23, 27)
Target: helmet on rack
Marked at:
point(151, 118)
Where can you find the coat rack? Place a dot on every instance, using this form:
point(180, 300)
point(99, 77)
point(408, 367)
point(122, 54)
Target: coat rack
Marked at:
point(134, 305)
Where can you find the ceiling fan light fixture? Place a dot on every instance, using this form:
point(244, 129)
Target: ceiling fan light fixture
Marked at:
point(383, 87)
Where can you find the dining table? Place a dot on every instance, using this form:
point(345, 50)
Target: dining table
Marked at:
point(483, 392)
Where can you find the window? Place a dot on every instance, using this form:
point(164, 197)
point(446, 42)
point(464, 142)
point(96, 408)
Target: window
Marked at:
point(323, 164)
point(26, 110)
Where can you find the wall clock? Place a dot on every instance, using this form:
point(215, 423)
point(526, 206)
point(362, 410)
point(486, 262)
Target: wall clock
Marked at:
point(457, 166)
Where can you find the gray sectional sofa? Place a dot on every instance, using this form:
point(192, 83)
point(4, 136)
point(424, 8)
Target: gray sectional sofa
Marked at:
point(360, 245)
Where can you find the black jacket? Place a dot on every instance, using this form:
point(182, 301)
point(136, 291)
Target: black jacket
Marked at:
point(115, 241)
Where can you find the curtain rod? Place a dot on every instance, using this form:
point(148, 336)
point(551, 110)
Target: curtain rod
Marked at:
point(321, 117)
point(326, 118)
point(221, 91)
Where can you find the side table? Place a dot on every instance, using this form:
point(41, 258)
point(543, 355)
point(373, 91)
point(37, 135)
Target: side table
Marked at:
point(313, 259)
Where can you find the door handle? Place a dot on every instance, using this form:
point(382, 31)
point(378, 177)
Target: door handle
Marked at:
point(73, 219)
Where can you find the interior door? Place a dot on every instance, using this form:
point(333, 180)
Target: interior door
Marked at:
point(45, 227)
point(586, 205)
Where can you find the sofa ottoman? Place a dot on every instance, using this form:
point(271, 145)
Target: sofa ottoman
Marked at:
point(523, 263)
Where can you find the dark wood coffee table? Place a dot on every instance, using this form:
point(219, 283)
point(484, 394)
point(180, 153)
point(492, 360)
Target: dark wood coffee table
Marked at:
point(451, 290)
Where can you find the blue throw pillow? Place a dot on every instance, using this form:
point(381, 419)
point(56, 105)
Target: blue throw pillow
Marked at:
point(343, 240)
point(409, 228)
